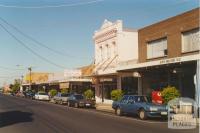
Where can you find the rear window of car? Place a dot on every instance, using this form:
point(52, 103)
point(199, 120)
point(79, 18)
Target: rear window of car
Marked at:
point(78, 96)
point(42, 93)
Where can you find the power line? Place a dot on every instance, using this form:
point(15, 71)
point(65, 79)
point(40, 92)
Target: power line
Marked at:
point(8, 68)
point(51, 6)
point(29, 49)
point(37, 42)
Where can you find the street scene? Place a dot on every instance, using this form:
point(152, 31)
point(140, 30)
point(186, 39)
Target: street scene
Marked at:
point(100, 66)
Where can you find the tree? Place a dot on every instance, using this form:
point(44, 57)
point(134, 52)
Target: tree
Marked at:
point(15, 87)
point(116, 95)
point(89, 94)
point(169, 93)
point(53, 92)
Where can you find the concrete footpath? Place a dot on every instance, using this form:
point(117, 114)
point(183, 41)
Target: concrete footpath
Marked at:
point(105, 107)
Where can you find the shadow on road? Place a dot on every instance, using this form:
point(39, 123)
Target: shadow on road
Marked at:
point(14, 117)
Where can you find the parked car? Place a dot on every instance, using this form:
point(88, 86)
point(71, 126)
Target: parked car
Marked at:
point(77, 100)
point(139, 105)
point(29, 94)
point(41, 96)
point(61, 98)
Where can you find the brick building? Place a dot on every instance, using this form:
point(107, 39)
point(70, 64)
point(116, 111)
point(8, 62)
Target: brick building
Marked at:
point(169, 55)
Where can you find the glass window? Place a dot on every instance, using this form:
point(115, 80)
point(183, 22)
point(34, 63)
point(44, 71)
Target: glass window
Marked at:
point(141, 99)
point(124, 99)
point(157, 48)
point(65, 95)
point(191, 40)
point(131, 99)
point(78, 97)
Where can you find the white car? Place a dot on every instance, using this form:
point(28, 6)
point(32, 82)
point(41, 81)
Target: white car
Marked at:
point(42, 96)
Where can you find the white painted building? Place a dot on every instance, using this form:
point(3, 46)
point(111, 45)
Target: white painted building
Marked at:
point(114, 46)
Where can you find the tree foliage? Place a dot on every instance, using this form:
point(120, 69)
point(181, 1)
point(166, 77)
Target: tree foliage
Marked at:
point(89, 94)
point(53, 92)
point(15, 87)
point(169, 93)
point(116, 95)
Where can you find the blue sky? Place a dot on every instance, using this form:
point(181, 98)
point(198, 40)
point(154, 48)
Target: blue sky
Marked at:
point(69, 29)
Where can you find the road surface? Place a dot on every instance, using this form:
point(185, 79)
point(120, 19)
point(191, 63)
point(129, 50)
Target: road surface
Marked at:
point(20, 115)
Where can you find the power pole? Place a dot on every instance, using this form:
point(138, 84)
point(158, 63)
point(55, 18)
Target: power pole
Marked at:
point(21, 89)
point(30, 79)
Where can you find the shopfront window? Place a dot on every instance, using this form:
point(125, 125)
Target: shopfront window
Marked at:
point(191, 40)
point(157, 48)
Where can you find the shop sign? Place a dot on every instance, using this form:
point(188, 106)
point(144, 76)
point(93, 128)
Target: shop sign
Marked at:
point(106, 79)
point(168, 61)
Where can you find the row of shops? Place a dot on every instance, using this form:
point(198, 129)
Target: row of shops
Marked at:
point(138, 61)
point(149, 59)
point(72, 80)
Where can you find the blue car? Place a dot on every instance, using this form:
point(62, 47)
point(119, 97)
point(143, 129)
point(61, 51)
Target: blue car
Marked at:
point(139, 105)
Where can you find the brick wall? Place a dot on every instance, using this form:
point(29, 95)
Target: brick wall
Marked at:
point(170, 28)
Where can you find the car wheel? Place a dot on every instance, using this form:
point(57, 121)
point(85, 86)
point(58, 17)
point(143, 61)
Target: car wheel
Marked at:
point(142, 114)
point(118, 112)
point(76, 105)
point(68, 104)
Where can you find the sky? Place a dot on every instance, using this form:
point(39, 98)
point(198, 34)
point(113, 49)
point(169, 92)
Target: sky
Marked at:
point(66, 27)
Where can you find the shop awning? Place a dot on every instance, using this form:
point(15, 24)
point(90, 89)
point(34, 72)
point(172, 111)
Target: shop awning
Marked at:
point(159, 62)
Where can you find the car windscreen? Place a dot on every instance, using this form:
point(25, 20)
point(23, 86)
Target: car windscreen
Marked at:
point(65, 95)
point(42, 93)
point(78, 97)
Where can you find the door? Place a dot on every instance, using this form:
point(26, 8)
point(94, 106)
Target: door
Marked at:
point(123, 104)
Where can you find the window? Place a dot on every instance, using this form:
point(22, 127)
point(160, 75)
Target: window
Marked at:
point(124, 99)
point(191, 41)
point(157, 48)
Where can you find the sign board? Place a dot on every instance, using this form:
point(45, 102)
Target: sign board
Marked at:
point(168, 61)
point(106, 79)
point(64, 85)
point(68, 73)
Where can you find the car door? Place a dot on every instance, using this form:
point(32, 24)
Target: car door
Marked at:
point(130, 106)
point(137, 104)
point(123, 104)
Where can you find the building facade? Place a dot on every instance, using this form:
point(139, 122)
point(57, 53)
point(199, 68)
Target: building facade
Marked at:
point(169, 55)
point(114, 45)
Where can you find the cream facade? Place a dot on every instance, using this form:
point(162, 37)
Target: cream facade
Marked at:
point(114, 46)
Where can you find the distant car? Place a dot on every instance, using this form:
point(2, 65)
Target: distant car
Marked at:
point(61, 98)
point(139, 105)
point(77, 100)
point(41, 96)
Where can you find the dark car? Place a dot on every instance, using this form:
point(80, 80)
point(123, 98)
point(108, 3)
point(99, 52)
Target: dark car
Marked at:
point(139, 105)
point(77, 100)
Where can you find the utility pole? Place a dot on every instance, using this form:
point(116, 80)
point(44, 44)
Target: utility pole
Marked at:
point(21, 89)
point(30, 78)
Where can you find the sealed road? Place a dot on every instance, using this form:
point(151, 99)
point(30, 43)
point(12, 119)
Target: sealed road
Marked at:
point(19, 115)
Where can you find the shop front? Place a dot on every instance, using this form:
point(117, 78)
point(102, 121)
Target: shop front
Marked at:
point(103, 88)
point(179, 75)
